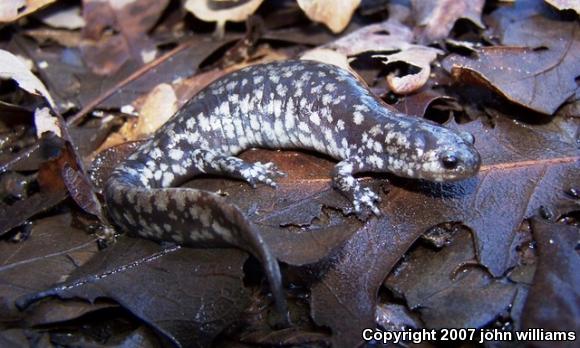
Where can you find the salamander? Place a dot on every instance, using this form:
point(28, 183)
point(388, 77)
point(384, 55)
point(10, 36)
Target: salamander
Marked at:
point(291, 104)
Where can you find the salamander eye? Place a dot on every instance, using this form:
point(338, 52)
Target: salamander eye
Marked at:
point(449, 161)
point(468, 137)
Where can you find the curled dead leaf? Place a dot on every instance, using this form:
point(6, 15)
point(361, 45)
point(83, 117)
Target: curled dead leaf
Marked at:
point(16, 9)
point(419, 56)
point(15, 68)
point(335, 14)
point(222, 11)
point(390, 36)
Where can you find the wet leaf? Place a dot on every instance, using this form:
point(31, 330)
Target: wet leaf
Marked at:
point(30, 158)
point(16, 214)
point(538, 67)
point(394, 317)
point(537, 79)
point(52, 189)
point(556, 279)
point(114, 33)
point(13, 338)
point(286, 337)
point(345, 298)
point(505, 140)
point(173, 290)
point(81, 190)
point(448, 289)
point(53, 250)
point(50, 172)
point(46, 313)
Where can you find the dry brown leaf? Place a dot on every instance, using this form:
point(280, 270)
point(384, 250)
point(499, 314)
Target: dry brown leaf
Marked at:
point(437, 17)
point(222, 12)
point(66, 38)
point(327, 56)
point(540, 69)
point(63, 18)
point(54, 249)
point(391, 36)
point(46, 122)
point(186, 89)
point(16, 69)
point(385, 36)
point(419, 56)
point(158, 107)
point(335, 14)
point(11, 10)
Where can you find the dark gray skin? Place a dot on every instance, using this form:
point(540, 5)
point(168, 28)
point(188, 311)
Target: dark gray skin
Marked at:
point(284, 105)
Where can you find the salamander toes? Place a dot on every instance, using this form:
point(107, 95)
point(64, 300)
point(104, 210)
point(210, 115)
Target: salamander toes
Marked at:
point(366, 200)
point(270, 167)
point(260, 172)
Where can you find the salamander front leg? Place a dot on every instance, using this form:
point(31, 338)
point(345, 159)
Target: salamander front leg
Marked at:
point(234, 167)
point(362, 198)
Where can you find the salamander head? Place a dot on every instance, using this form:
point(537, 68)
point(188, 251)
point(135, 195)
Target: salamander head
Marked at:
point(435, 153)
point(448, 155)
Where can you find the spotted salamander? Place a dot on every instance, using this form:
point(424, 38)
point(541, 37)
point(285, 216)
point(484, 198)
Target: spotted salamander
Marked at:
point(283, 105)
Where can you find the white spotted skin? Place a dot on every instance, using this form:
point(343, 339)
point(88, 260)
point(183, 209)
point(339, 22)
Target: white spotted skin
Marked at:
point(283, 105)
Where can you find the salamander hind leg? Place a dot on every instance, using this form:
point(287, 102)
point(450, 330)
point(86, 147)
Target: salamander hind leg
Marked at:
point(363, 199)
